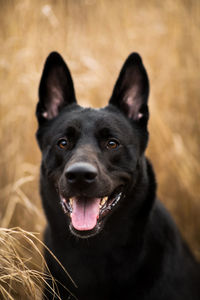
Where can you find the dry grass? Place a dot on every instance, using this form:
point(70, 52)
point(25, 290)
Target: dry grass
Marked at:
point(95, 37)
point(20, 277)
point(21, 264)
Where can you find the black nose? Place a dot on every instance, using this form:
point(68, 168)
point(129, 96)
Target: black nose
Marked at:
point(81, 172)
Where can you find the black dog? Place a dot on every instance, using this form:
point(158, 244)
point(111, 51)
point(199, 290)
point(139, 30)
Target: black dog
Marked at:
point(105, 224)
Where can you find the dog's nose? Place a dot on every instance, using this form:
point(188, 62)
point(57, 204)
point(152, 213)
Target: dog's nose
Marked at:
point(81, 172)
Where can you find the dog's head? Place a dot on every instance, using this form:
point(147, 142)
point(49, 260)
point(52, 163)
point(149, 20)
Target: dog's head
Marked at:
point(91, 158)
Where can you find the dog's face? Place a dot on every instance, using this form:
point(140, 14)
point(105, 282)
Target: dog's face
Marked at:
point(91, 157)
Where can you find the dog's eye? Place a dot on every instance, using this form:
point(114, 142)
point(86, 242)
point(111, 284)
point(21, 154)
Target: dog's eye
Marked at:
point(112, 144)
point(63, 144)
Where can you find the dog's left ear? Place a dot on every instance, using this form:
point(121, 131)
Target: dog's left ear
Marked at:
point(131, 90)
point(56, 88)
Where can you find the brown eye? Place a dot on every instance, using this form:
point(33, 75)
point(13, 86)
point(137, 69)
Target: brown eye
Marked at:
point(63, 143)
point(112, 144)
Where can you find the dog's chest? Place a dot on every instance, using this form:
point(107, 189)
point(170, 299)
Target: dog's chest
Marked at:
point(93, 270)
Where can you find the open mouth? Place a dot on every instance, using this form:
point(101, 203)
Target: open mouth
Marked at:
point(87, 213)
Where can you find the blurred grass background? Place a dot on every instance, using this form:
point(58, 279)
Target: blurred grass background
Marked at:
point(95, 37)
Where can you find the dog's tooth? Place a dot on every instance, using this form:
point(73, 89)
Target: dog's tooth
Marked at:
point(71, 201)
point(103, 201)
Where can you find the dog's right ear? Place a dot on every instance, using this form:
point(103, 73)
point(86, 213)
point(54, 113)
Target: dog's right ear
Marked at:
point(56, 88)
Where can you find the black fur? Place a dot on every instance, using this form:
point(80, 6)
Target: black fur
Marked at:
point(134, 250)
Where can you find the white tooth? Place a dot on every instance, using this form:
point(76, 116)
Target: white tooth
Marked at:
point(71, 201)
point(103, 201)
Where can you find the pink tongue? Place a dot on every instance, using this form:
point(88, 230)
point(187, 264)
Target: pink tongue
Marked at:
point(85, 213)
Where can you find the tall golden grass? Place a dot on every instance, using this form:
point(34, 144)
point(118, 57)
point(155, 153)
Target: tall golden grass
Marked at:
point(95, 37)
point(23, 270)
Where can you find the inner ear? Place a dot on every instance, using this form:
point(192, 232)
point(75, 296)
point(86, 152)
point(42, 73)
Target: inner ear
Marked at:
point(131, 90)
point(56, 88)
point(54, 98)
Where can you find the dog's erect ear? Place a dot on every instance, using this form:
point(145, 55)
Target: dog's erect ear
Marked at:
point(131, 90)
point(56, 88)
